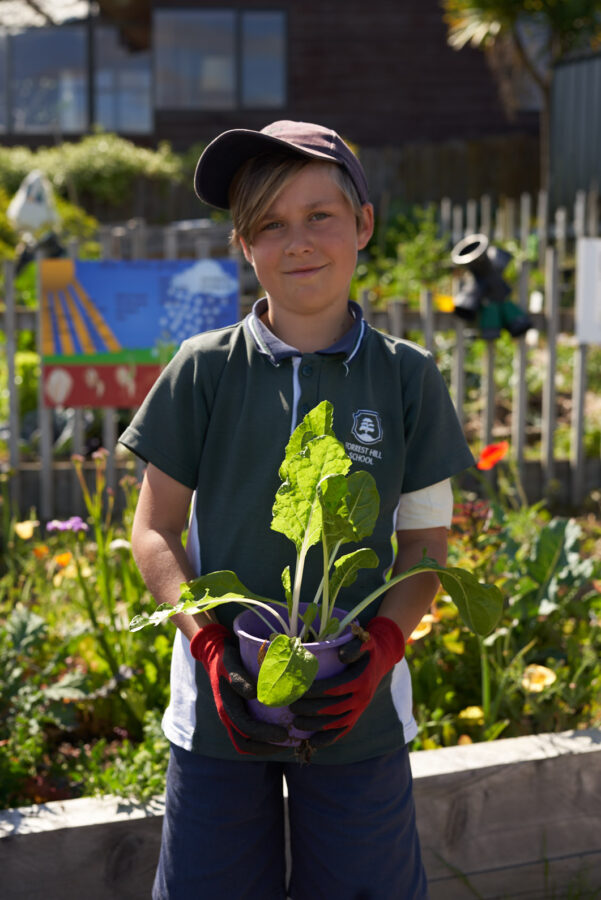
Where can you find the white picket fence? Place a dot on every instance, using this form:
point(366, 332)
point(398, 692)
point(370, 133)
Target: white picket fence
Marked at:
point(51, 487)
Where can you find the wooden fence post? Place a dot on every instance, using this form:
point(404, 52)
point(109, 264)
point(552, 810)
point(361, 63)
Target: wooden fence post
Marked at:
point(427, 316)
point(10, 328)
point(486, 216)
point(489, 393)
point(520, 359)
point(549, 413)
point(45, 418)
point(577, 461)
point(542, 227)
point(458, 370)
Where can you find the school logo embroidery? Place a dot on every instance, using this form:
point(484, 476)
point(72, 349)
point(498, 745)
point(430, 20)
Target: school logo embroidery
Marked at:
point(367, 426)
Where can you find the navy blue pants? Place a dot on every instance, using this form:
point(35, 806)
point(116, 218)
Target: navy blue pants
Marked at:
point(352, 831)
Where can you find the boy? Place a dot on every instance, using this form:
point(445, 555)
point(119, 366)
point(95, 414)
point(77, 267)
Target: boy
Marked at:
point(213, 431)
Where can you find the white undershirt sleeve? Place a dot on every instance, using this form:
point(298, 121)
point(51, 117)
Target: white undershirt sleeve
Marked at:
point(429, 507)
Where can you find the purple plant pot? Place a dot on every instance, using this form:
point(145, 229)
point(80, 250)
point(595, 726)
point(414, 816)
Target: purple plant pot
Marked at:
point(252, 633)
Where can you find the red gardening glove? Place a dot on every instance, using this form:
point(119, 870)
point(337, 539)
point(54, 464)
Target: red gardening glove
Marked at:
point(216, 648)
point(332, 706)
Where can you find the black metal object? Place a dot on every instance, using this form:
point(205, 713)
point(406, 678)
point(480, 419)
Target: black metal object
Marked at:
point(483, 295)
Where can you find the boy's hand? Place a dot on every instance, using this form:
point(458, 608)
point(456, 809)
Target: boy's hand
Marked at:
point(332, 706)
point(215, 647)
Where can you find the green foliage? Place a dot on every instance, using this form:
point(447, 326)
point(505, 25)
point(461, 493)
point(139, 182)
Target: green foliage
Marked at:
point(103, 166)
point(571, 24)
point(413, 256)
point(79, 693)
point(539, 669)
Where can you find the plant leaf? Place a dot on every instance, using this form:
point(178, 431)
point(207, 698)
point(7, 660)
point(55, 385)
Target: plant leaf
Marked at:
point(297, 511)
point(288, 670)
point(480, 605)
point(347, 567)
point(200, 595)
point(350, 507)
point(318, 421)
point(309, 614)
point(287, 585)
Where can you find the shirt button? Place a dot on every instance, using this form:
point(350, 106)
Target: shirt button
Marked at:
point(307, 371)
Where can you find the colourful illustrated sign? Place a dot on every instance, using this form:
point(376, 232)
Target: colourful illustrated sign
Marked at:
point(108, 327)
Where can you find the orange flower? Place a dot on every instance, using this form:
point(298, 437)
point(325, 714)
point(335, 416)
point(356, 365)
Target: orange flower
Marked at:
point(63, 559)
point(492, 454)
point(41, 551)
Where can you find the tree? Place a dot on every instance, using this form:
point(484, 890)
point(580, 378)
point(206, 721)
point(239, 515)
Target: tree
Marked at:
point(567, 26)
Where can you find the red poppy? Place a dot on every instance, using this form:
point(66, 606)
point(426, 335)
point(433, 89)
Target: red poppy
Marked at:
point(492, 454)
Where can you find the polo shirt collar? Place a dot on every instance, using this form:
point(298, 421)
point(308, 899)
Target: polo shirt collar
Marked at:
point(271, 346)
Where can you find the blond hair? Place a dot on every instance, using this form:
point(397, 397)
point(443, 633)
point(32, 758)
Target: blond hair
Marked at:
point(260, 179)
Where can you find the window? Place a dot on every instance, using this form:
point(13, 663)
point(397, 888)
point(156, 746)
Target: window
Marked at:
point(48, 79)
point(122, 84)
point(263, 59)
point(219, 59)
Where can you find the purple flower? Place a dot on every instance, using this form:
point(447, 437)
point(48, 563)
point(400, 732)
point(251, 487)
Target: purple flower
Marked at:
point(75, 523)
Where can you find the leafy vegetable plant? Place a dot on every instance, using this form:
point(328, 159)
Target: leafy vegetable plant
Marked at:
point(319, 503)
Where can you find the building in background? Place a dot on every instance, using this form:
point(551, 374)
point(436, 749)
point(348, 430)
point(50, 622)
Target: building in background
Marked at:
point(379, 72)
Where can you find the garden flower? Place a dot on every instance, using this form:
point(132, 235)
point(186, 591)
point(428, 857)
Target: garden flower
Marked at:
point(424, 628)
point(472, 715)
point(75, 524)
point(25, 530)
point(492, 454)
point(119, 544)
point(536, 678)
point(63, 559)
point(41, 551)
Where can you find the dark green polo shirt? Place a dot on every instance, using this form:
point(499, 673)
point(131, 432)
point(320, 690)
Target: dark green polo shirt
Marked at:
point(218, 419)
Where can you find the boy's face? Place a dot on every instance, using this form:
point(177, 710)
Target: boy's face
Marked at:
point(304, 249)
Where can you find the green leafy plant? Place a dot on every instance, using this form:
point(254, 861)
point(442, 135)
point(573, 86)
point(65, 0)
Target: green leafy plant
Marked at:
point(319, 503)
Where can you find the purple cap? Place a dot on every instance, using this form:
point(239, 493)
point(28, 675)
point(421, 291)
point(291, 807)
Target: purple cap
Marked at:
point(222, 158)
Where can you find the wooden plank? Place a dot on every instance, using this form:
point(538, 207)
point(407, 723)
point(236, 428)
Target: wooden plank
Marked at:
point(446, 217)
point(580, 215)
point(520, 396)
point(514, 818)
point(427, 316)
point(366, 306)
point(457, 231)
point(14, 424)
point(592, 212)
point(488, 393)
point(486, 215)
point(542, 225)
point(458, 370)
point(471, 217)
point(395, 318)
point(578, 424)
point(549, 399)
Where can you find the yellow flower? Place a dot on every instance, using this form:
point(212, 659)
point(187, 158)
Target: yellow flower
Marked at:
point(444, 302)
point(41, 551)
point(63, 559)
point(424, 628)
point(472, 715)
point(464, 739)
point(536, 678)
point(25, 530)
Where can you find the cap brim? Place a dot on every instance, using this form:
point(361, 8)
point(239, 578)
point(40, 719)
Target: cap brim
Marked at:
point(222, 158)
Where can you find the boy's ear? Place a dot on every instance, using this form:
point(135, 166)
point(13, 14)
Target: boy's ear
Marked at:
point(366, 226)
point(246, 250)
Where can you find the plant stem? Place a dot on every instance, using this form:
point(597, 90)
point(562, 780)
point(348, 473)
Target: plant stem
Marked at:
point(485, 681)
